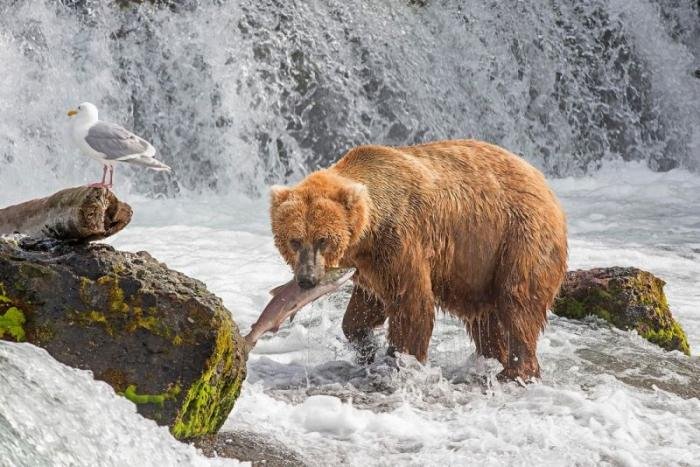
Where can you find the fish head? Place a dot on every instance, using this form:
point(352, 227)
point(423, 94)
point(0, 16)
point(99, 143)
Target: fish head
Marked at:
point(315, 223)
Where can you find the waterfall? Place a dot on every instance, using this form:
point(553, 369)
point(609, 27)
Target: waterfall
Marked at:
point(237, 94)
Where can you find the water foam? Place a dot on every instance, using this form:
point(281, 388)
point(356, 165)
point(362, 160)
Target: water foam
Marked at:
point(51, 414)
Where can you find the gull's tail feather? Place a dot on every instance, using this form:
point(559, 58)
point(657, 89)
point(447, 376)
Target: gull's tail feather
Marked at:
point(147, 161)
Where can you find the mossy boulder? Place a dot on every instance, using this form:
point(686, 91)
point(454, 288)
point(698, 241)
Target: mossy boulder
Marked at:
point(628, 298)
point(158, 337)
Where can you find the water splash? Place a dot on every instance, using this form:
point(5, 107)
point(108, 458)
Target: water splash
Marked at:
point(236, 94)
point(56, 415)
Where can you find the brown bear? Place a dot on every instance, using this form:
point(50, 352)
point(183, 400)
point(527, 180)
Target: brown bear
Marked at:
point(462, 225)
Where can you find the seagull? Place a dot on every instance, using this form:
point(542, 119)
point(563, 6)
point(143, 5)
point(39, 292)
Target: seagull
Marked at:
point(110, 143)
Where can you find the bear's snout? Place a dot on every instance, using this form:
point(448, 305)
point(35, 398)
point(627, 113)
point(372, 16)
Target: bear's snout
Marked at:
point(309, 268)
point(307, 282)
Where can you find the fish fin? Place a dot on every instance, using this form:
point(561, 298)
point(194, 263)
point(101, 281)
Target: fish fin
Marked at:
point(280, 288)
point(277, 289)
point(275, 329)
point(291, 317)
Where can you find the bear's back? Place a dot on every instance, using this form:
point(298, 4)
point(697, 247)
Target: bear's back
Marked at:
point(444, 165)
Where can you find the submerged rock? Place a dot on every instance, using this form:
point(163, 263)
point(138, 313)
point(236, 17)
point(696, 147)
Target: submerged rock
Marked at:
point(247, 446)
point(156, 336)
point(628, 298)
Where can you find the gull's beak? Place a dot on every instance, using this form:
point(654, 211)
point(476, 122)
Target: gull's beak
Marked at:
point(72, 112)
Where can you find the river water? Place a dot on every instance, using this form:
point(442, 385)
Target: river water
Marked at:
point(236, 95)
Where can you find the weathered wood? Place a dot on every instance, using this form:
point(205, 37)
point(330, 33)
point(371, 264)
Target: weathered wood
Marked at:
point(81, 213)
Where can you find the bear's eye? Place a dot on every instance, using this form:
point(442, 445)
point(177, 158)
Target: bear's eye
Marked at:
point(295, 243)
point(321, 243)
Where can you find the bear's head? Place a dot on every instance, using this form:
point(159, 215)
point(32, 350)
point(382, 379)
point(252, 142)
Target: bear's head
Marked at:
point(315, 222)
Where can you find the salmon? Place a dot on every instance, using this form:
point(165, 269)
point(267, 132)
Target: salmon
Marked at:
point(289, 298)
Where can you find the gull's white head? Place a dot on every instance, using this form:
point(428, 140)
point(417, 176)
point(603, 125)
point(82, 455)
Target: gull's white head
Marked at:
point(85, 113)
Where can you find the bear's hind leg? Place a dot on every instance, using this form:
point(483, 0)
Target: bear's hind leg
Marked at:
point(485, 331)
point(520, 333)
point(526, 285)
point(364, 313)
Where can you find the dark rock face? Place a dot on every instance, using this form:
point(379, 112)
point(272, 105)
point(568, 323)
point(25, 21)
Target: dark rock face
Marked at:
point(628, 298)
point(250, 447)
point(156, 336)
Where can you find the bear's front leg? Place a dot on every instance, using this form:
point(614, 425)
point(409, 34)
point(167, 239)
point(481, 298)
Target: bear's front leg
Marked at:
point(364, 313)
point(411, 319)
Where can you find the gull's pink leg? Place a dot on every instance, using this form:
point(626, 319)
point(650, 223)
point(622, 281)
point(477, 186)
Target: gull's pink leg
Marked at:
point(102, 183)
point(111, 174)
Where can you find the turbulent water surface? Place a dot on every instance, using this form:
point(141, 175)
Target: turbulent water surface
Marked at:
point(239, 94)
point(606, 396)
point(54, 415)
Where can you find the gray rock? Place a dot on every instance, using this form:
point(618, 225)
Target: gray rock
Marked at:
point(251, 447)
point(155, 335)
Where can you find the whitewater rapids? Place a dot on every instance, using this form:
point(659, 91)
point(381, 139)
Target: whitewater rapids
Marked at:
point(599, 401)
point(239, 94)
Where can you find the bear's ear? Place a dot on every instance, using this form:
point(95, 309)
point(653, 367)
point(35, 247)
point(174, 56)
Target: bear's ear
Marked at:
point(351, 194)
point(279, 194)
point(354, 197)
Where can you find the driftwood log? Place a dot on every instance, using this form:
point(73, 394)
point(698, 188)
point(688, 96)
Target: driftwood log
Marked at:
point(76, 214)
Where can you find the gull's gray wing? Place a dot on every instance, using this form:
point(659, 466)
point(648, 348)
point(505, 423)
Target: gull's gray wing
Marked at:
point(114, 141)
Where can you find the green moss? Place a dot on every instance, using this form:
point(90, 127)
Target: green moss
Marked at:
point(602, 313)
point(12, 323)
point(85, 289)
point(569, 307)
point(211, 397)
point(600, 295)
point(572, 308)
point(121, 314)
point(119, 268)
point(116, 294)
point(151, 323)
point(131, 394)
point(3, 294)
point(673, 338)
point(94, 318)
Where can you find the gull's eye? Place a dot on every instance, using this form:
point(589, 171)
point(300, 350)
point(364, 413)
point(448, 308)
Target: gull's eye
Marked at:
point(295, 243)
point(80, 107)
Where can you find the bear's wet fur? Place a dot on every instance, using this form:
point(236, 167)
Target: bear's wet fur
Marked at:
point(462, 225)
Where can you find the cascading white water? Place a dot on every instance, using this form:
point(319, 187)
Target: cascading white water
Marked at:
point(72, 420)
point(238, 93)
